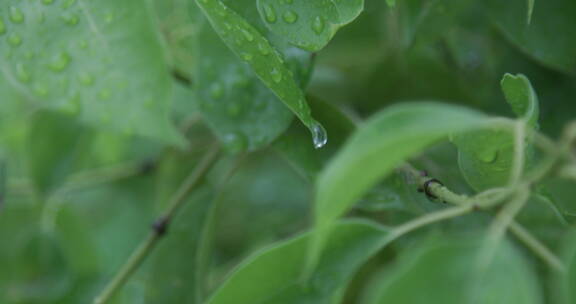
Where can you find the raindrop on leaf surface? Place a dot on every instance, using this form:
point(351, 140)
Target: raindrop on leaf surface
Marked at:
point(290, 17)
point(246, 56)
point(319, 136)
point(487, 156)
point(40, 90)
point(16, 15)
point(86, 79)
point(15, 40)
point(264, 49)
point(269, 13)
point(234, 142)
point(60, 62)
point(104, 94)
point(276, 75)
point(318, 24)
point(248, 35)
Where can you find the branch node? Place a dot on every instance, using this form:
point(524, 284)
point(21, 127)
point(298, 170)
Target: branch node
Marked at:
point(148, 166)
point(160, 226)
point(426, 188)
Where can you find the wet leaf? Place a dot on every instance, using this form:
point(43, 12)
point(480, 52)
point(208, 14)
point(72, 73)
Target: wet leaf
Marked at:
point(447, 269)
point(486, 156)
point(546, 38)
point(274, 275)
point(55, 145)
point(101, 61)
point(308, 24)
point(241, 110)
point(252, 47)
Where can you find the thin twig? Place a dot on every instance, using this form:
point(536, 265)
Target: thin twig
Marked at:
point(537, 247)
point(446, 195)
point(429, 219)
point(518, 160)
point(158, 229)
point(498, 228)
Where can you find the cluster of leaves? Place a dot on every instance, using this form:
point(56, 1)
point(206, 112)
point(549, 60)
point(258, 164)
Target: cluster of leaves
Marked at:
point(107, 107)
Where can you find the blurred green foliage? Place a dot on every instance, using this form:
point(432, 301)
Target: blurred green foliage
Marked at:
point(106, 106)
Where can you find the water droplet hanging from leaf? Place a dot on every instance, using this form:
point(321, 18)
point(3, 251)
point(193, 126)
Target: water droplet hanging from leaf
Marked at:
point(265, 61)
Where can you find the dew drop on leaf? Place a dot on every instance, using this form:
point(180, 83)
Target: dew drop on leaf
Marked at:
point(15, 40)
point(83, 44)
point(86, 79)
point(264, 49)
point(318, 25)
point(68, 3)
point(319, 136)
point(487, 156)
point(104, 94)
point(70, 20)
point(40, 90)
point(109, 17)
point(248, 35)
point(246, 56)
point(234, 142)
point(60, 62)
point(276, 75)
point(47, 2)
point(16, 15)
point(22, 73)
point(269, 13)
point(290, 17)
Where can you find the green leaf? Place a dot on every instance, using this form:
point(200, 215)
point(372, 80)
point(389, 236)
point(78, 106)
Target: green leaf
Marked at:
point(172, 277)
point(241, 110)
point(76, 241)
point(101, 60)
point(378, 146)
point(274, 275)
point(447, 271)
point(252, 47)
point(35, 271)
point(485, 156)
point(560, 193)
point(55, 146)
point(545, 39)
point(521, 97)
point(530, 4)
point(308, 24)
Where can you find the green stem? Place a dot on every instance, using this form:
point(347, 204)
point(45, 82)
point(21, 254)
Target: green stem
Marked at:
point(498, 228)
point(429, 219)
point(159, 228)
point(446, 195)
point(537, 247)
point(518, 160)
